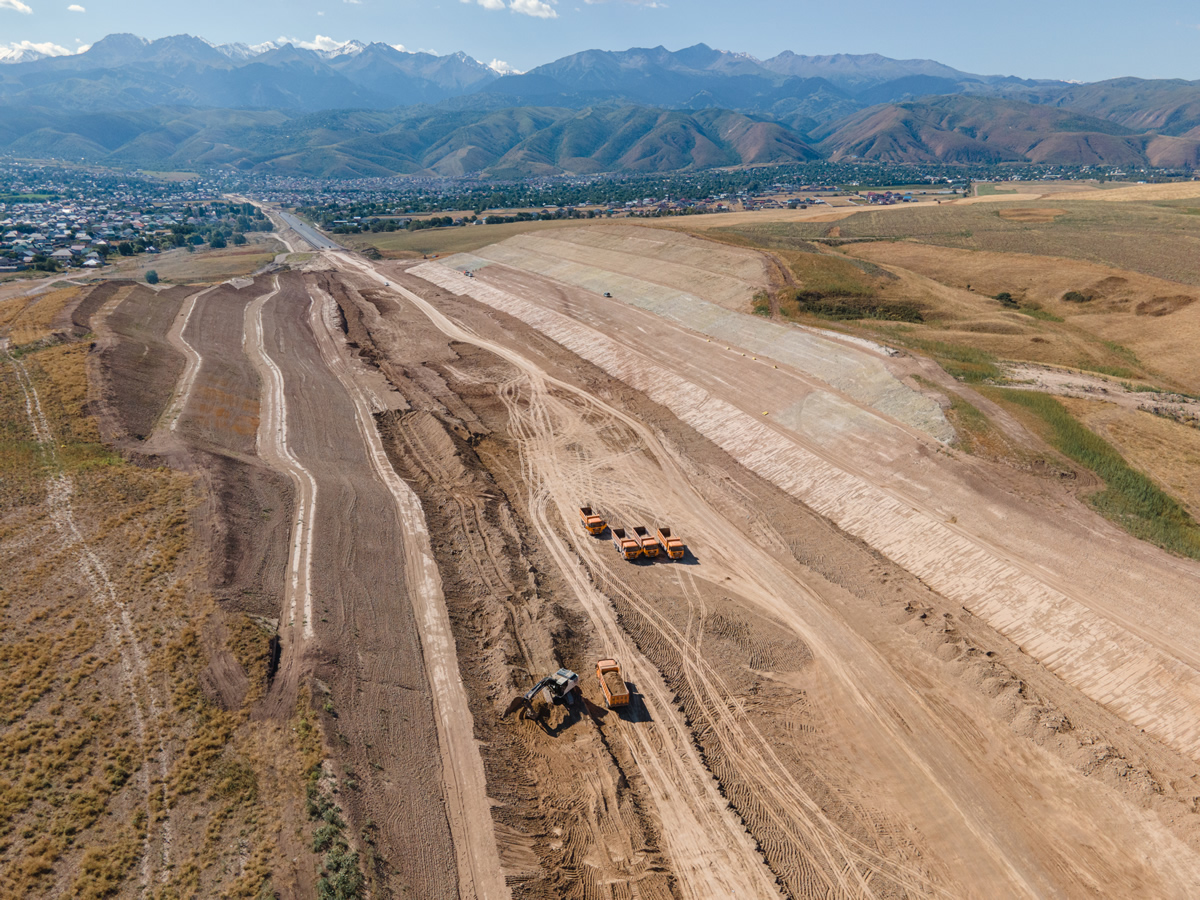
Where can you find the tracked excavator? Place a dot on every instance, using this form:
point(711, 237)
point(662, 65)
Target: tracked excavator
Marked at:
point(560, 688)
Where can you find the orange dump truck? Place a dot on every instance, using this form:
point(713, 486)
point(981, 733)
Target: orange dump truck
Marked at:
point(671, 544)
point(592, 523)
point(626, 546)
point(648, 541)
point(616, 691)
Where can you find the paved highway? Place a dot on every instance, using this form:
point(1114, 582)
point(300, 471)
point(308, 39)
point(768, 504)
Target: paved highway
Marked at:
point(310, 234)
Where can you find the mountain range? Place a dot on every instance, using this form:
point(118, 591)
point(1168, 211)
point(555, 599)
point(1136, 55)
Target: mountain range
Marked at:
point(356, 109)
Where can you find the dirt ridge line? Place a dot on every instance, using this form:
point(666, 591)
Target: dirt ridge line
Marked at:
point(468, 807)
point(752, 880)
point(271, 446)
point(183, 388)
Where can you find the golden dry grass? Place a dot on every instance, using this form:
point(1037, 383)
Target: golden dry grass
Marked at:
point(179, 266)
point(1039, 214)
point(1167, 451)
point(32, 317)
point(1135, 326)
point(74, 808)
point(430, 241)
point(1145, 193)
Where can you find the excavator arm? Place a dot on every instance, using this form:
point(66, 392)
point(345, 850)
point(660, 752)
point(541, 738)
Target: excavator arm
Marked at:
point(526, 699)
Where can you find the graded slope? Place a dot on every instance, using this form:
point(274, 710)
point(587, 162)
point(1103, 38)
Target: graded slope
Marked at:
point(702, 287)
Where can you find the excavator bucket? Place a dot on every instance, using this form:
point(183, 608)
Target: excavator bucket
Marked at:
point(517, 703)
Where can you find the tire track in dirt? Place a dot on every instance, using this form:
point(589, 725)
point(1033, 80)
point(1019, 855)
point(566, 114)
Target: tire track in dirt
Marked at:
point(846, 865)
point(858, 673)
point(712, 854)
point(465, 787)
point(59, 489)
point(1107, 662)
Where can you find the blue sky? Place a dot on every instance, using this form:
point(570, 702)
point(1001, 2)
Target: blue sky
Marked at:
point(1069, 40)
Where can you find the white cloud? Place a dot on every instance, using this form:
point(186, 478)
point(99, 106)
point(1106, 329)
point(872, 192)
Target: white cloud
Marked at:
point(320, 42)
point(15, 5)
point(353, 2)
point(400, 47)
point(535, 8)
point(501, 67)
point(17, 49)
point(488, 4)
point(83, 48)
point(75, 7)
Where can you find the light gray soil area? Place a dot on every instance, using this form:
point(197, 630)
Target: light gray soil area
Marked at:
point(703, 286)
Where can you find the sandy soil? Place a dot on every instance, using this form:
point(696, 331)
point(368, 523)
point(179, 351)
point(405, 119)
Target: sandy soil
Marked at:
point(591, 345)
point(883, 669)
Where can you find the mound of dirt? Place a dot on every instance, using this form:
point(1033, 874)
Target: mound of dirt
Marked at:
point(1163, 306)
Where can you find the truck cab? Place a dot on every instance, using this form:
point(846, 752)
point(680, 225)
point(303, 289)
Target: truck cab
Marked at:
point(627, 546)
point(591, 522)
point(649, 542)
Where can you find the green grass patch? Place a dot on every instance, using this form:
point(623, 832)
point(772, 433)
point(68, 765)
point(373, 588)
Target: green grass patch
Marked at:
point(1111, 371)
point(969, 364)
point(972, 425)
point(1040, 314)
point(990, 190)
point(1129, 497)
point(1122, 351)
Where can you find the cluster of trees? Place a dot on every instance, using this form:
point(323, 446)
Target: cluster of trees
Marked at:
point(228, 223)
point(480, 196)
point(376, 225)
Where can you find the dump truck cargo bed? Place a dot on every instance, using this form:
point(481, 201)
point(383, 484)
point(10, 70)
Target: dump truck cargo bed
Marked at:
point(649, 542)
point(616, 691)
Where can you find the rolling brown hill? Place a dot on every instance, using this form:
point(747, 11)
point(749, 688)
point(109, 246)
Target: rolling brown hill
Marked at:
point(971, 129)
point(511, 142)
point(1165, 106)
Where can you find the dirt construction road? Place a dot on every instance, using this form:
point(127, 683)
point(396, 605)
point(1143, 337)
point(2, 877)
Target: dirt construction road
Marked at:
point(962, 803)
point(881, 670)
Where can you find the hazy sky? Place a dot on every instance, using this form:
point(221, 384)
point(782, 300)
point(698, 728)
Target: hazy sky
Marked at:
point(1070, 40)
